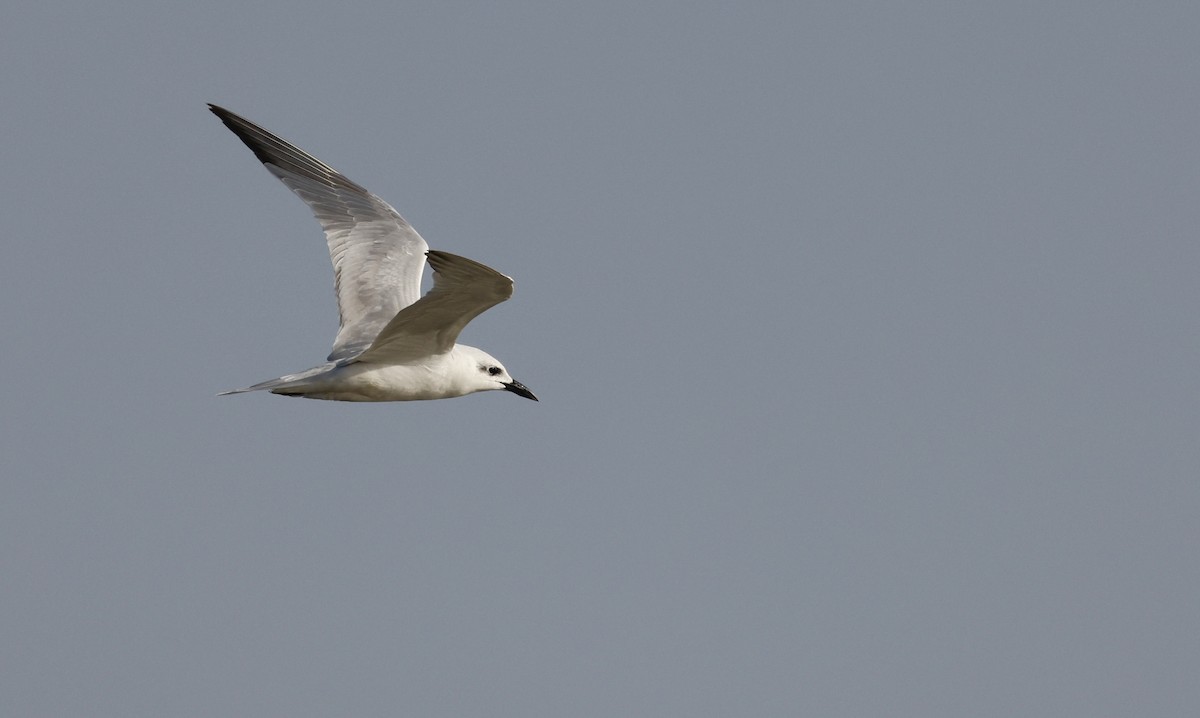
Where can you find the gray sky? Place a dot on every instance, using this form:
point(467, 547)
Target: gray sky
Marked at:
point(866, 336)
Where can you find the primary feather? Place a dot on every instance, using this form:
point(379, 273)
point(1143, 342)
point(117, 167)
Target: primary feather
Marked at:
point(378, 258)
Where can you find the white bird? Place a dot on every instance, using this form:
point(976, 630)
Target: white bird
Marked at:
point(390, 345)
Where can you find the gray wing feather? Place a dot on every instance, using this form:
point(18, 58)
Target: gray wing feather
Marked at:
point(462, 290)
point(377, 257)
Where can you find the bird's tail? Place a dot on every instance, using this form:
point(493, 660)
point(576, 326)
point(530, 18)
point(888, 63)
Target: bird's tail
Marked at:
point(289, 380)
point(261, 386)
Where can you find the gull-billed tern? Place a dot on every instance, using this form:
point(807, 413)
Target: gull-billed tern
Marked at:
point(390, 346)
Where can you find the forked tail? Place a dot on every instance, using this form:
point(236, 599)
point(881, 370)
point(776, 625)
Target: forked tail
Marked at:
point(289, 380)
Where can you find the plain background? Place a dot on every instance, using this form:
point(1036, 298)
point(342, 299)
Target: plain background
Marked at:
point(866, 336)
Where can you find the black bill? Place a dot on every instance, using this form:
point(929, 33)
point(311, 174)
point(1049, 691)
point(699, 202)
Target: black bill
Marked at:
point(519, 389)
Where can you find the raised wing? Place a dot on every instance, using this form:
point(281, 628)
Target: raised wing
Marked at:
point(462, 290)
point(378, 258)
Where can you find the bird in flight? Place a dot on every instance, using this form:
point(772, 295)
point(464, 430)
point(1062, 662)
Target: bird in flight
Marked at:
point(392, 344)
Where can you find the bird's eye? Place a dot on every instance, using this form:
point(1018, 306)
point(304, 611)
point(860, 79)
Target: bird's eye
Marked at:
point(494, 370)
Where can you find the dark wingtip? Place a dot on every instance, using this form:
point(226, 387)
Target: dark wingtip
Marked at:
point(219, 111)
point(271, 149)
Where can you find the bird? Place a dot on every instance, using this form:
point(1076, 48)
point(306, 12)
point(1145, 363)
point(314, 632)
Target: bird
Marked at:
point(390, 344)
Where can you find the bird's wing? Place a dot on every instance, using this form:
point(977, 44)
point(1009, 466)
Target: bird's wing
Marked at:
point(462, 290)
point(378, 258)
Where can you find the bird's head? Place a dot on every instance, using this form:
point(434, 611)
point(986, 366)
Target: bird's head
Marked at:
point(488, 374)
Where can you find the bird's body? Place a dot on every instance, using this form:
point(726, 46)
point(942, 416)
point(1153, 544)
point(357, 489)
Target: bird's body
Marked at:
point(390, 345)
point(436, 377)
